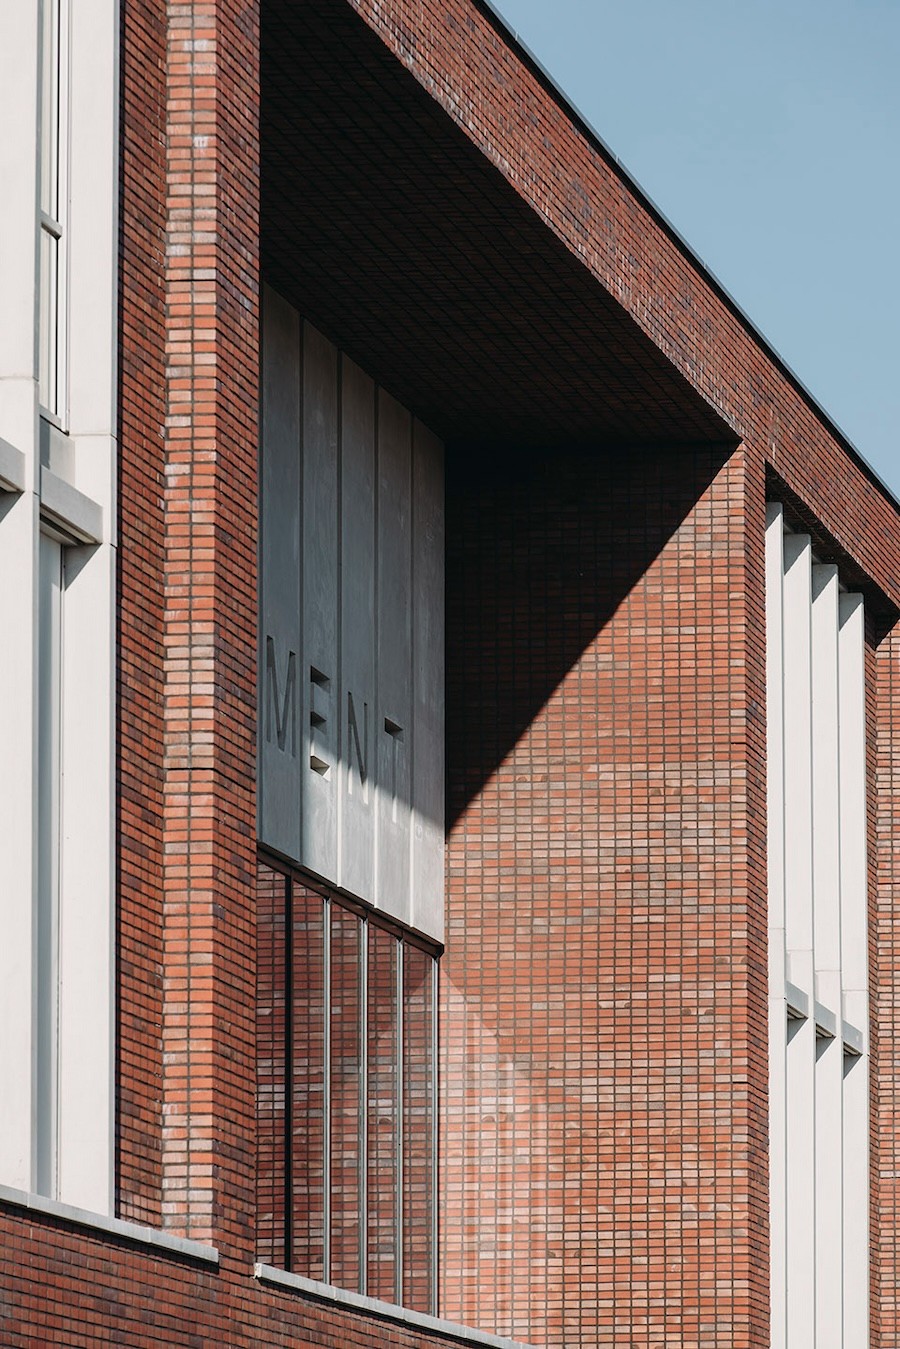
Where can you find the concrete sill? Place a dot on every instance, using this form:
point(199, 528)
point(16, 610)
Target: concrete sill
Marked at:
point(341, 1297)
point(153, 1238)
point(12, 468)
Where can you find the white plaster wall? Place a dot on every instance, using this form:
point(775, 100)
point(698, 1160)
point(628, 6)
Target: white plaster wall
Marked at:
point(73, 495)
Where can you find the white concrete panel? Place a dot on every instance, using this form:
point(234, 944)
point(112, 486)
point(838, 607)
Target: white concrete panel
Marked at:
point(18, 854)
point(394, 729)
point(827, 947)
point(801, 1185)
point(856, 1182)
point(320, 543)
point(46, 965)
point(798, 757)
point(854, 966)
point(428, 683)
point(778, 1167)
point(829, 1254)
point(92, 216)
point(86, 1092)
point(18, 843)
point(826, 813)
point(854, 870)
point(280, 671)
point(775, 723)
point(358, 695)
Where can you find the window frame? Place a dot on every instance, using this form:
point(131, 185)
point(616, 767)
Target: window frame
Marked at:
point(368, 917)
point(52, 215)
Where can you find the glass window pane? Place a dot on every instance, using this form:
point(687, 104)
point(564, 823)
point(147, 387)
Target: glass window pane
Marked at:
point(418, 1127)
point(49, 321)
point(345, 1098)
point(271, 1071)
point(307, 1218)
point(382, 1122)
point(50, 91)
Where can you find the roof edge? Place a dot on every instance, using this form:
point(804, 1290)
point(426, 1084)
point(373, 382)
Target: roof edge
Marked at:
point(594, 137)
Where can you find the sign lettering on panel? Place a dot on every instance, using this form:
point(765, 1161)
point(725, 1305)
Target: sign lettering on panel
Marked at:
point(278, 696)
point(351, 673)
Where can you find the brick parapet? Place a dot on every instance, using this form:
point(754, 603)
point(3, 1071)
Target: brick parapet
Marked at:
point(457, 51)
point(63, 1287)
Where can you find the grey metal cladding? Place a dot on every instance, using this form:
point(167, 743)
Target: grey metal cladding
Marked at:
point(428, 680)
point(351, 738)
point(279, 729)
point(356, 855)
point(321, 599)
point(394, 627)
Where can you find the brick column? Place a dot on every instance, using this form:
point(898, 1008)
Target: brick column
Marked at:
point(142, 412)
point(212, 249)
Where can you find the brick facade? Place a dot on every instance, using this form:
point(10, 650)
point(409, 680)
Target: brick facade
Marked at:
point(604, 1053)
point(603, 1127)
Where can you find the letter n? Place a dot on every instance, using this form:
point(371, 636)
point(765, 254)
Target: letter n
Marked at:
point(361, 748)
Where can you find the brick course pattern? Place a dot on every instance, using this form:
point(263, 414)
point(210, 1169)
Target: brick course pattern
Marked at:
point(603, 1016)
point(458, 53)
point(210, 503)
point(604, 1059)
point(142, 413)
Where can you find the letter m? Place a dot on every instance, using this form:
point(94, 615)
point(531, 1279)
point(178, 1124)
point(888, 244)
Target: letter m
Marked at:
point(278, 709)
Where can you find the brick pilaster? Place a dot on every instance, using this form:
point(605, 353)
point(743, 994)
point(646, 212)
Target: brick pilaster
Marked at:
point(212, 248)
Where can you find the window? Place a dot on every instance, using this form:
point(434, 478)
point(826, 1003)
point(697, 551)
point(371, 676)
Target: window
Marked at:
point(54, 137)
point(818, 1004)
point(347, 1091)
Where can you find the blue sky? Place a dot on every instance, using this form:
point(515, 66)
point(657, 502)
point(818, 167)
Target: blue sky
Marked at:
point(769, 134)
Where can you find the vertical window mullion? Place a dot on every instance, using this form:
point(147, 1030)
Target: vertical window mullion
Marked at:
point(363, 1104)
point(288, 1071)
point(398, 1173)
point(326, 1093)
point(432, 1197)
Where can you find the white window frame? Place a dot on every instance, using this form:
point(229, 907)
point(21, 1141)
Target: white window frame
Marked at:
point(53, 211)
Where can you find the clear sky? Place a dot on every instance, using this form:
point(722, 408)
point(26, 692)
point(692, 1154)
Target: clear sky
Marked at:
point(768, 132)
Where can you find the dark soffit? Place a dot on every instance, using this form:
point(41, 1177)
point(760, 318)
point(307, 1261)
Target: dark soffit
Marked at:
point(392, 233)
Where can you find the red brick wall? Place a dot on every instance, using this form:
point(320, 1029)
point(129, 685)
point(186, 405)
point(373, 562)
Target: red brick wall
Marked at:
point(189, 294)
point(604, 1046)
point(456, 51)
point(59, 1287)
point(142, 413)
point(604, 1016)
point(210, 503)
